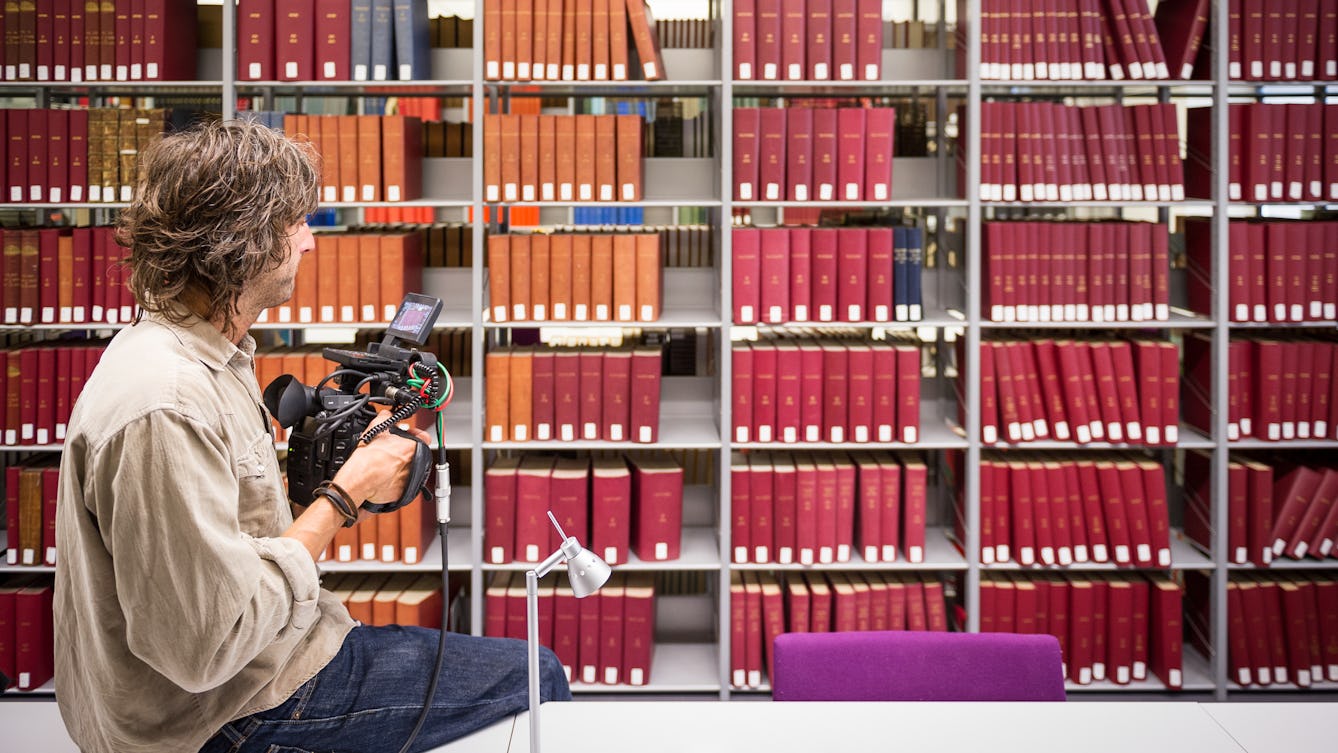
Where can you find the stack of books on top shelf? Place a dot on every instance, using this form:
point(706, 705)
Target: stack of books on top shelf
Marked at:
point(790, 40)
point(811, 508)
point(1282, 41)
point(112, 40)
point(332, 40)
point(549, 40)
point(1275, 507)
point(1110, 627)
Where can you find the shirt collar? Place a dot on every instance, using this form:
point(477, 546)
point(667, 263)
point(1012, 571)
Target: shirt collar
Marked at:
point(203, 340)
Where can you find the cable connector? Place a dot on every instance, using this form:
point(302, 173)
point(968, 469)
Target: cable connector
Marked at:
point(442, 494)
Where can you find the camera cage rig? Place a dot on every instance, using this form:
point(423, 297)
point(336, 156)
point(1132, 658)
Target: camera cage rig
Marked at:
point(330, 422)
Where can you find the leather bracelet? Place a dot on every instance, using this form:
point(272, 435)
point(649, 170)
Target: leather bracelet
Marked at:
point(340, 499)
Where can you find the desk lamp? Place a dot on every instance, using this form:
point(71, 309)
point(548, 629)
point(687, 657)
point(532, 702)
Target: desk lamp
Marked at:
point(587, 573)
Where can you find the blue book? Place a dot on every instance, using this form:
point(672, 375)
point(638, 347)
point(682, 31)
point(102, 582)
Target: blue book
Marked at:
point(900, 275)
point(915, 254)
point(383, 41)
point(412, 45)
point(360, 40)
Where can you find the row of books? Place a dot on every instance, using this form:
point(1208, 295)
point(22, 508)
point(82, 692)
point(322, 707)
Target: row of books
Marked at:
point(1075, 271)
point(1115, 391)
point(30, 514)
point(363, 157)
point(574, 277)
point(813, 153)
point(389, 598)
point(1090, 39)
point(112, 40)
point(74, 155)
point(795, 388)
point(1281, 629)
point(1279, 389)
point(1116, 627)
point(1048, 151)
point(1275, 507)
point(1273, 41)
point(613, 504)
point(568, 394)
point(562, 157)
point(802, 274)
point(552, 40)
point(606, 638)
point(353, 278)
point(66, 275)
point(1065, 510)
point(763, 605)
point(27, 632)
point(40, 385)
point(1275, 152)
point(822, 508)
point(1278, 271)
point(794, 40)
point(445, 139)
point(332, 40)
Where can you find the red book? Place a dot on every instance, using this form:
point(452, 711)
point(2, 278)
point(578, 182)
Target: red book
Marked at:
point(741, 392)
point(566, 394)
point(745, 47)
point(771, 153)
point(747, 151)
point(908, 392)
point(34, 655)
point(835, 384)
point(740, 489)
point(645, 406)
point(788, 396)
point(861, 395)
point(880, 127)
point(767, 38)
point(844, 35)
point(761, 504)
point(589, 629)
point(617, 392)
point(638, 628)
point(1114, 511)
point(793, 42)
point(823, 278)
point(825, 509)
point(825, 155)
point(845, 507)
point(799, 154)
point(785, 509)
point(570, 501)
point(851, 272)
point(255, 42)
point(610, 509)
point(817, 25)
point(610, 599)
point(774, 276)
point(869, 45)
point(764, 391)
point(879, 274)
point(890, 495)
point(738, 630)
point(850, 123)
point(591, 391)
point(806, 514)
point(533, 498)
point(914, 509)
point(810, 391)
point(657, 508)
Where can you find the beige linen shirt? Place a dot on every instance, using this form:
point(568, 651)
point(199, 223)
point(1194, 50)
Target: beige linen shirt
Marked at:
point(178, 606)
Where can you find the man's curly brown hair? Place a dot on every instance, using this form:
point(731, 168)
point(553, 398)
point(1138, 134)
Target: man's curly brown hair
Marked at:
point(211, 211)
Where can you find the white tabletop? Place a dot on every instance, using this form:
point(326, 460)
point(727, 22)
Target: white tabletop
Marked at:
point(1275, 727)
point(714, 727)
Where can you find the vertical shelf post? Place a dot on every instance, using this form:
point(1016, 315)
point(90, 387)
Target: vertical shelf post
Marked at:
point(1221, 342)
point(969, 366)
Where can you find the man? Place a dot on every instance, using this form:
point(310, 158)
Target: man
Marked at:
point(188, 608)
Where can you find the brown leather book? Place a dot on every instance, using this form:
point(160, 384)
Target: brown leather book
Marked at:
point(529, 165)
point(492, 157)
point(499, 277)
point(540, 252)
point(346, 284)
point(628, 157)
point(564, 150)
point(510, 152)
point(370, 307)
point(642, 24)
point(547, 159)
point(606, 159)
point(649, 277)
point(581, 275)
point(559, 277)
point(587, 148)
point(347, 140)
point(497, 395)
point(368, 129)
point(520, 401)
point(624, 277)
point(618, 52)
point(420, 603)
point(401, 269)
point(402, 157)
point(520, 277)
point(492, 40)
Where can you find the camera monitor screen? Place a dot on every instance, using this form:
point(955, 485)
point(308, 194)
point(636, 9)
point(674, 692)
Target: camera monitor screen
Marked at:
point(415, 318)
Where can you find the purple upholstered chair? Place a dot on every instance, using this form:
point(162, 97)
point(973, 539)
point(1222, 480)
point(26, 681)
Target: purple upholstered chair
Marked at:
point(917, 666)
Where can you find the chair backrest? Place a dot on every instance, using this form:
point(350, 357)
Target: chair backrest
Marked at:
point(917, 666)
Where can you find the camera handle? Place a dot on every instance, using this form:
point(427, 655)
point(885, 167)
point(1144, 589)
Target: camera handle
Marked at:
point(419, 470)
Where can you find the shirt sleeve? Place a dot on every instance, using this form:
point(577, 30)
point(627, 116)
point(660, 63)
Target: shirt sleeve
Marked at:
point(201, 598)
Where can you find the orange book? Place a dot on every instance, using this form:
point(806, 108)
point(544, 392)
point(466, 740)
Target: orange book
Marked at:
point(387, 536)
point(492, 40)
point(585, 15)
point(497, 395)
point(529, 167)
point(624, 277)
point(368, 128)
point(499, 277)
point(564, 150)
point(325, 138)
point(327, 282)
point(315, 367)
point(508, 42)
point(421, 603)
point(647, 41)
point(520, 402)
point(559, 277)
point(492, 157)
point(539, 276)
point(586, 149)
point(369, 308)
point(524, 38)
point(343, 585)
point(628, 157)
point(568, 40)
point(606, 160)
point(402, 157)
point(649, 277)
point(547, 159)
point(360, 601)
point(417, 528)
point(553, 37)
point(520, 277)
point(580, 277)
point(401, 269)
point(347, 129)
point(308, 277)
point(349, 251)
point(346, 545)
point(599, 40)
point(617, 40)
point(601, 277)
point(383, 603)
point(510, 151)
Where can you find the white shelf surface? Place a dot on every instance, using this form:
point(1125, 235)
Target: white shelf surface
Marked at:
point(674, 668)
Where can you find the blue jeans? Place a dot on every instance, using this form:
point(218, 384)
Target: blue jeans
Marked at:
point(369, 696)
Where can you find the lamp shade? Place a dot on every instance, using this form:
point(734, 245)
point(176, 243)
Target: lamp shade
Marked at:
point(587, 573)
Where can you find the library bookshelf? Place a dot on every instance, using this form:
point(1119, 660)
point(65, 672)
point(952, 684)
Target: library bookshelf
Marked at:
point(693, 618)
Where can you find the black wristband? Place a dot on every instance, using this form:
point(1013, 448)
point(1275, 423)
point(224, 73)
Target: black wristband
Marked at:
point(340, 499)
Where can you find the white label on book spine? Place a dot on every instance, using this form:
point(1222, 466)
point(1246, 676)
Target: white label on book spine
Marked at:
point(825, 555)
point(253, 72)
point(746, 313)
point(591, 430)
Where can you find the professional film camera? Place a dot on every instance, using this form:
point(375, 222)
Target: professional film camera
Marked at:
point(329, 421)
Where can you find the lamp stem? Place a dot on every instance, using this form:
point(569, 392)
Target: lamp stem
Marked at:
point(532, 645)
